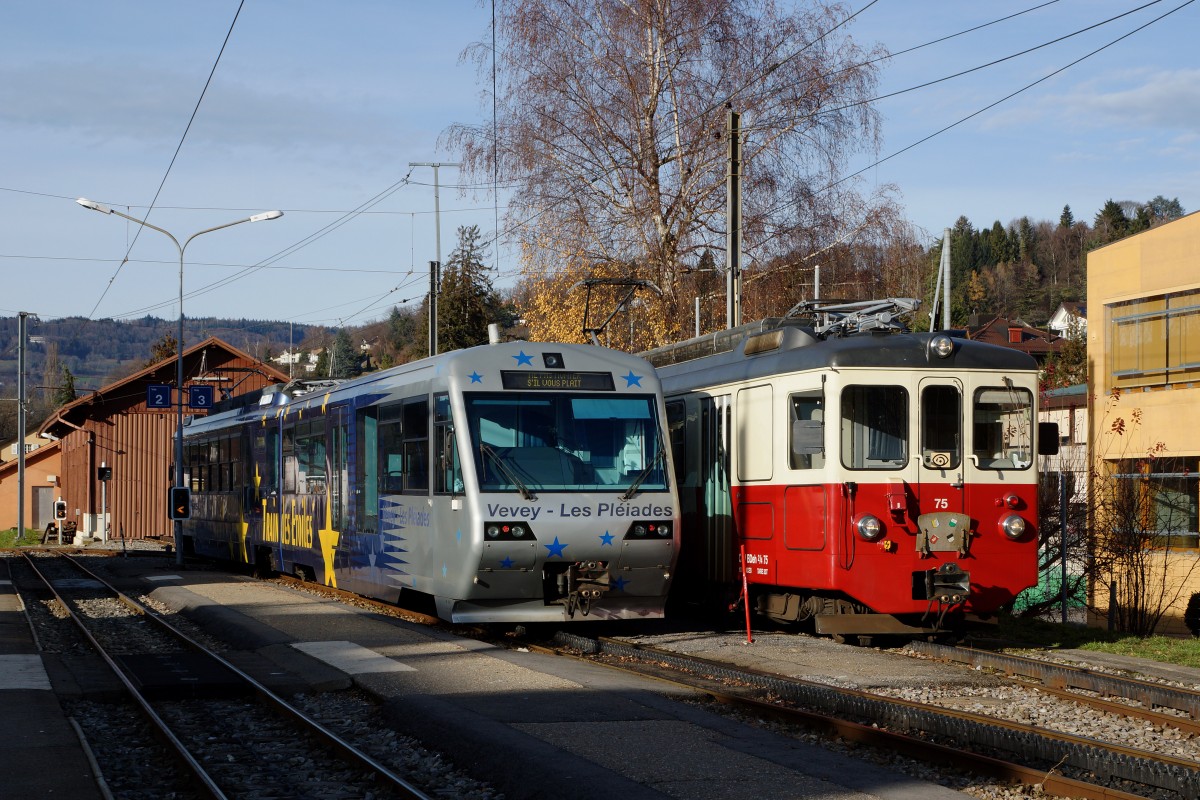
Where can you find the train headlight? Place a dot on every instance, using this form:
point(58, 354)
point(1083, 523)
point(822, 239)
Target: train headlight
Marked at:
point(1013, 526)
point(869, 527)
point(498, 531)
point(648, 529)
point(941, 345)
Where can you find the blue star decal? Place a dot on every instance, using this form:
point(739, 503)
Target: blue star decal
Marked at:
point(527, 360)
point(606, 539)
point(619, 583)
point(632, 380)
point(556, 548)
point(443, 569)
point(475, 377)
point(507, 563)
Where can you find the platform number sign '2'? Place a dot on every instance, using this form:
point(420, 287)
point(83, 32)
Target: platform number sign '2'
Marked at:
point(158, 395)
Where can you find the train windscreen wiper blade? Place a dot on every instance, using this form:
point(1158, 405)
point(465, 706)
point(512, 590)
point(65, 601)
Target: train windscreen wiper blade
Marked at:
point(507, 472)
point(637, 482)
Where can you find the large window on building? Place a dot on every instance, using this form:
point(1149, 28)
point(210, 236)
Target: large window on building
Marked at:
point(1155, 340)
point(1159, 500)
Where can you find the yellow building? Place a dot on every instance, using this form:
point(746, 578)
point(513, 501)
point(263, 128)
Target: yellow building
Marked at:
point(1143, 301)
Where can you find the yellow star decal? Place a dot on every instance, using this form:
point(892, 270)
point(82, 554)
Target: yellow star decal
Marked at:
point(328, 541)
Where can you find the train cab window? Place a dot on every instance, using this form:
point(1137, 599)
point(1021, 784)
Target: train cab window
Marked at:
point(565, 442)
point(1002, 430)
point(416, 446)
point(806, 419)
point(874, 427)
point(448, 470)
point(941, 426)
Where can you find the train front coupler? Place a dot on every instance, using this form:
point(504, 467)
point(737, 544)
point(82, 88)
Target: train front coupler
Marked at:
point(582, 584)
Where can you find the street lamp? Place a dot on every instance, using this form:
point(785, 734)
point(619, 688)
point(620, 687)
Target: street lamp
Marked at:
point(94, 206)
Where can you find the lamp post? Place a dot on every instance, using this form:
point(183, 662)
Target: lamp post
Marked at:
point(178, 476)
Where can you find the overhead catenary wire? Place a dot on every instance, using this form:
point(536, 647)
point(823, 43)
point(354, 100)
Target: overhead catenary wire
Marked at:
point(178, 147)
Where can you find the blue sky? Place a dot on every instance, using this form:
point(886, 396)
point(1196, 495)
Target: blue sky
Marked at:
point(317, 108)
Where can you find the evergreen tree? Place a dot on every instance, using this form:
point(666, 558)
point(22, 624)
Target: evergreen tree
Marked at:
point(1164, 210)
point(64, 392)
point(466, 302)
point(343, 360)
point(1067, 219)
point(1111, 223)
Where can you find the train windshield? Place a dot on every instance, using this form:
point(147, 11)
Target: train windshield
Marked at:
point(535, 442)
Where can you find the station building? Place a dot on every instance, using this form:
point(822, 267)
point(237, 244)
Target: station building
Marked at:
point(1143, 344)
point(115, 448)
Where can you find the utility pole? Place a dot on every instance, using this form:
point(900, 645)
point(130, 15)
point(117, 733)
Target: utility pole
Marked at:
point(733, 225)
point(437, 222)
point(435, 279)
point(22, 338)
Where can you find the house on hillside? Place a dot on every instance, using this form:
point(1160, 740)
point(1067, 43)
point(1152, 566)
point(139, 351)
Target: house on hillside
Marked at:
point(117, 428)
point(1069, 317)
point(1015, 334)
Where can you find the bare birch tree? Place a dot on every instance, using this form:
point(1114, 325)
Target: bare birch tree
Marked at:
point(611, 123)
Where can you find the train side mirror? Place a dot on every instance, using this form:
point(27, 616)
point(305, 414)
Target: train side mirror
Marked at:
point(1047, 439)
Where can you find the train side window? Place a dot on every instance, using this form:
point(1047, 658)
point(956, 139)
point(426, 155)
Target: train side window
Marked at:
point(367, 480)
point(289, 459)
point(310, 457)
point(807, 426)
point(677, 430)
point(874, 427)
point(391, 450)
point(416, 446)
point(941, 426)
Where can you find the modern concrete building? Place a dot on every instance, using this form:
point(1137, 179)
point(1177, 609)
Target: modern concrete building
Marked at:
point(1143, 342)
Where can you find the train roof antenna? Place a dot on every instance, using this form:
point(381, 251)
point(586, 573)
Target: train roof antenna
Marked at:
point(632, 285)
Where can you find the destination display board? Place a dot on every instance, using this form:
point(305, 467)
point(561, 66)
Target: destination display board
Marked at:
point(557, 381)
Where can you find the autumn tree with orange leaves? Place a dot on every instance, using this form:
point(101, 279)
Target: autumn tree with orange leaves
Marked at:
point(610, 127)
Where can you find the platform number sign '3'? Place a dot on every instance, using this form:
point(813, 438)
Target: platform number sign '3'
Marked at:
point(200, 396)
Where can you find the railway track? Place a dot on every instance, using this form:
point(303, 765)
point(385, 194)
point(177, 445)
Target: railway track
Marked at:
point(230, 736)
point(1061, 678)
point(1061, 764)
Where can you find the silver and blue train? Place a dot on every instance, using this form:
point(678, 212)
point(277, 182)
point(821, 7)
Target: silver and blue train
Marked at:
point(515, 482)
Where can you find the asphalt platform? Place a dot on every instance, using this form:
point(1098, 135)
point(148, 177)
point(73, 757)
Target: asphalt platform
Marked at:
point(533, 726)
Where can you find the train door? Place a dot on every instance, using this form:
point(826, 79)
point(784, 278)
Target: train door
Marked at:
point(940, 442)
point(338, 426)
point(717, 529)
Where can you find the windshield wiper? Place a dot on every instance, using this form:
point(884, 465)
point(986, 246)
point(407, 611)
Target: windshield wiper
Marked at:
point(507, 472)
point(637, 482)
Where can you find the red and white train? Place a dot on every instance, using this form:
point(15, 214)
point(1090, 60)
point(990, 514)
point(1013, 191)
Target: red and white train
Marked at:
point(871, 479)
